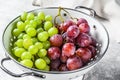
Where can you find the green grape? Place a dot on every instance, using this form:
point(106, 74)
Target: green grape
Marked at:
point(42, 53)
point(40, 30)
point(34, 40)
point(20, 25)
point(47, 60)
point(19, 43)
point(23, 16)
point(47, 68)
point(46, 44)
point(33, 49)
point(41, 15)
point(43, 36)
point(52, 31)
point(40, 64)
point(19, 51)
point(37, 19)
point(21, 36)
point(19, 59)
point(30, 16)
point(31, 32)
point(27, 42)
point(16, 32)
point(47, 25)
point(26, 55)
point(27, 22)
point(27, 62)
point(28, 26)
point(33, 23)
point(33, 58)
point(26, 36)
point(39, 45)
point(48, 18)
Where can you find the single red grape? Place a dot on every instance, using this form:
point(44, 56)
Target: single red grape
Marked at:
point(63, 58)
point(74, 62)
point(54, 53)
point(69, 40)
point(84, 27)
point(81, 20)
point(54, 65)
point(68, 49)
point(84, 53)
point(84, 40)
point(64, 26)
point(93, 50)
point(63, 67)
point(56, 40)
point(73, 31)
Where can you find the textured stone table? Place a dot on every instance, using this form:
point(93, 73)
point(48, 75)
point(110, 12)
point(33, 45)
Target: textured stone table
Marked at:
point(107, 69)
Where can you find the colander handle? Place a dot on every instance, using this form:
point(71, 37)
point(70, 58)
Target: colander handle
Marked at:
point(19, 75)
point(92, 12)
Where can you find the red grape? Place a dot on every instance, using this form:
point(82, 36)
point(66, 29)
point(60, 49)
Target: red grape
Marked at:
point(63, 67)
point(68, 49)
point(56, 40)
point(68, 39)
point(93, 50)
point(54, 53)
point(84, 40)
point(64, 26)
point(74, 62)
point(73, 31)
point(54, 65)
point(84, 53)
point(63, 58)
point(84, 27)
point(81, 20)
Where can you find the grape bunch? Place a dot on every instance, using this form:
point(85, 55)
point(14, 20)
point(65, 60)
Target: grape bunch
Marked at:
point(31, 39)
point(39, 43)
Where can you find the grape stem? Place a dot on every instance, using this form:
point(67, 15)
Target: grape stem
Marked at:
point(60, 16)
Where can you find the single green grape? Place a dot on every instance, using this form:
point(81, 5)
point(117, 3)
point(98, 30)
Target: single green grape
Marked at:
point(47, 68)
point(19, 51)
point(33, 49)
point(37, 19)
point(52, 31)
point(40, 30)
point(47, 60)
point(27, 62)
point(34, 40)
point(30, 16)
point(41, 15)
point(26, 36)
point(47, 25)
point(42, 53)
point(46, 44)
point(19, 43)
point(26, 55)
point(40, 64)
point(28, 26)
point(48, 18)
point(16, 32)
point(31, 32)
point(39, 45)
point(27, 42)
point(43, 36)
point(27, 22)
point(21, 36)
point(20, 25)
point(23, 16)
point(33, 23)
